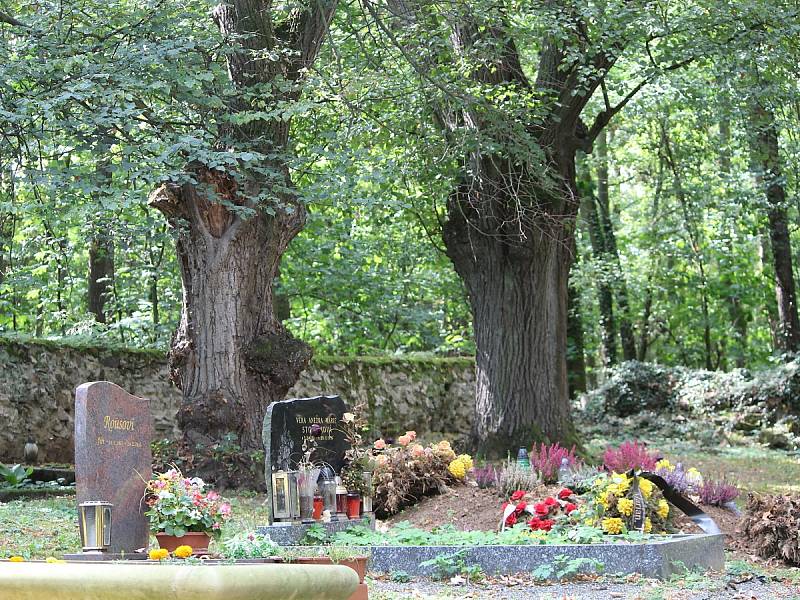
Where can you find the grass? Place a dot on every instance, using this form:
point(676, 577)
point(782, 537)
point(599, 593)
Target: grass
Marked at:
point(36, 529)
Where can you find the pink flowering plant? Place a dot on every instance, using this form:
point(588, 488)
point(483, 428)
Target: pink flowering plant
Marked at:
point(178, 504)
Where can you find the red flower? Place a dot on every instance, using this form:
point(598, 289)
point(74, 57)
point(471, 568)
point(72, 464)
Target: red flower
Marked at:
point(550, 501)
point(565, 493)
point(535, 523)
point(546, 524)
point(541, 508)
point(521, 507)
point(511, 520)
point(517, 495)
point(505, 504)
point(569, 507)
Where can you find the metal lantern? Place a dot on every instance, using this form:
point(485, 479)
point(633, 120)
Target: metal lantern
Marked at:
point(327, 485)
point(280, 495)
point(285, 503)
point(94, 521)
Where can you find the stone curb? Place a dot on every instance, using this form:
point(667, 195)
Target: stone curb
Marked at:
point(659, 559)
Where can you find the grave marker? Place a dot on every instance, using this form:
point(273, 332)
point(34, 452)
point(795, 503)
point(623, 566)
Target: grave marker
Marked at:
point(287, 425)
point(113, 431)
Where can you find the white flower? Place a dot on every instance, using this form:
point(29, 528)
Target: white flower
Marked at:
point(348, 417)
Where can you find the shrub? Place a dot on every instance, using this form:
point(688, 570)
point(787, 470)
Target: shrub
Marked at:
point(512, 477)
point(581, 478)
point(546, 460)
point(718, 493)
point(486, 476)
point(627, 456)
point(772, 524)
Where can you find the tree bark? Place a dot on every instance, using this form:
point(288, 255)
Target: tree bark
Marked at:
point(605, 295)
point(611, 250)
point(101, 273)
point(230, 355)
point(576, 358)
point(518, 296)
point(767, 157)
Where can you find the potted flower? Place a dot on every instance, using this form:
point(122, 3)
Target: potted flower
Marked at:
point(350, 557)
point(182, 512)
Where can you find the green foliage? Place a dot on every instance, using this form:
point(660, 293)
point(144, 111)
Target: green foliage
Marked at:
point(449, 565)
point(316, 535)
point(564, 568)
point(15, 475)
point(399, 577)
point(249, 544)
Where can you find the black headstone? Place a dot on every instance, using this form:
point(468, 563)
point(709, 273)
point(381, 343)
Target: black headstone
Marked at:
point(288, 423)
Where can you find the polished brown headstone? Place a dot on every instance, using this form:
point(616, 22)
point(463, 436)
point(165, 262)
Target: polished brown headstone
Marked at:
point(113, 431)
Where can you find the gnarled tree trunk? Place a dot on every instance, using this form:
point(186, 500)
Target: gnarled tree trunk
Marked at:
point(231, 356)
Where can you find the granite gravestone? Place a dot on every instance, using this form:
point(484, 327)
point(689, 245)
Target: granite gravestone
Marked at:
point(287, 425)
point(113, 431)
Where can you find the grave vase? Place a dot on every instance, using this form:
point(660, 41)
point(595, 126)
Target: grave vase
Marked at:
point(353, 506)
point(198, 540)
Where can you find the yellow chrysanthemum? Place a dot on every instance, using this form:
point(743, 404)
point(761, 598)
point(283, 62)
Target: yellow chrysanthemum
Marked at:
point(54, 560)
point(612, 525)
point(602, 498)
point(619, 484)
point(646, 486)
point(183, 551)
point(457, 469)
point(16, 559)
point(158, 554)
point(665, 464)
point(663, 509)
point(648, 525)
point(467, 460)
point(625, 507)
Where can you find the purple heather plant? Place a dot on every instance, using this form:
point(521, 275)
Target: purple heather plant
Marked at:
point(629, 455)
point(717, 493)
point(677, 478)
point(486, 476)
point(546, 460)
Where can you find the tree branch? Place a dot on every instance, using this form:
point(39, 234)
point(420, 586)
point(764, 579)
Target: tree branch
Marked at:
point(6, 18)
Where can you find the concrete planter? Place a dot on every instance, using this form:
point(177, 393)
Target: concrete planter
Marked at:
point(148, 581)
point(657, 559)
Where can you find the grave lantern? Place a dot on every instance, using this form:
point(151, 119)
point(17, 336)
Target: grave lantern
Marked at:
point(285, 503)
point(327, 484)
point(366, 497)
point(95, 525)
point(341, 500)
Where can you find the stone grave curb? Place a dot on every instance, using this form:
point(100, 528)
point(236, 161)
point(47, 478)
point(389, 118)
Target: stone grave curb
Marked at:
point(290, 535)
point(658, 559)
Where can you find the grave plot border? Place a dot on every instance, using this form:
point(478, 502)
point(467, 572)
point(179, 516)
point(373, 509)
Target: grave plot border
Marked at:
point(657, 559)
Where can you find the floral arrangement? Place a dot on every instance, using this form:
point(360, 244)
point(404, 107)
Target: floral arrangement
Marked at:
point(178, 504)
point(407, 472)
point(611, 505)
point(687, 482)
point(541, 515)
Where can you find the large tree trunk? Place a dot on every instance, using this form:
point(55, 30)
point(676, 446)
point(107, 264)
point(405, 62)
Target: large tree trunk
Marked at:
point(766, 150)
point(517, 288)
point(231, 356)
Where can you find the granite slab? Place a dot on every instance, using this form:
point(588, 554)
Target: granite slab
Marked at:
point(658, 559)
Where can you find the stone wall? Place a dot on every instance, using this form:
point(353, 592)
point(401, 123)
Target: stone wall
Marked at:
point(38, 381)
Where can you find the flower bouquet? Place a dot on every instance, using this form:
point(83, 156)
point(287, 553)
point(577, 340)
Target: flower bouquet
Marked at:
point(182, 512)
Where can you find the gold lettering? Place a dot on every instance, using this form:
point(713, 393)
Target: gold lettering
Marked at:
point(112, 424)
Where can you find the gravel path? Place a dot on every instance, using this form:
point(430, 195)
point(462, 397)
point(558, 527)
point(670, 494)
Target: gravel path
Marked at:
point(713, 587)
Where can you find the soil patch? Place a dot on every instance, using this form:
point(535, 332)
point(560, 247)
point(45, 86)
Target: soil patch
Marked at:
point(468, 508)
